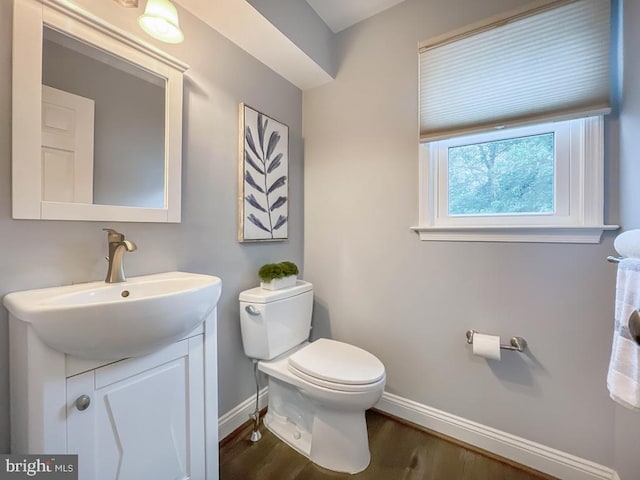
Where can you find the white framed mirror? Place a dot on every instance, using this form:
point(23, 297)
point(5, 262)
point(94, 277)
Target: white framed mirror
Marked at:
point(97, 119)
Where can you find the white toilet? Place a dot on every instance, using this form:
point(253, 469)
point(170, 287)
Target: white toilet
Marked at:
point(319, 391)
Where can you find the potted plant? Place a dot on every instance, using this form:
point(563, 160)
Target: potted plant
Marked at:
point(274, 276)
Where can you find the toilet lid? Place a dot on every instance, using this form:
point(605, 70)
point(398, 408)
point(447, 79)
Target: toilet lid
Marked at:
point(338, 363)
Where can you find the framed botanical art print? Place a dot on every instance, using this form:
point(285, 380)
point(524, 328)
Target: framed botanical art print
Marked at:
point(263, 180)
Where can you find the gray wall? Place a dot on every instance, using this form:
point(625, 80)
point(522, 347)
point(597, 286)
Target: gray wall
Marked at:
point(44, 253)
point(302, 25)
point(410, 302)
point(630, 120)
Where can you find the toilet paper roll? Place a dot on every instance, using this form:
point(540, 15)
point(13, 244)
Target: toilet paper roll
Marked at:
point(487, 346)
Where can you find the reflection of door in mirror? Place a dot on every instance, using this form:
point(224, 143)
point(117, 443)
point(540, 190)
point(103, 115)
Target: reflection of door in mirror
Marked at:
point(67, 147)
point(128, 152)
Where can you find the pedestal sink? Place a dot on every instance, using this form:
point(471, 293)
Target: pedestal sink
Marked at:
point(102, 321)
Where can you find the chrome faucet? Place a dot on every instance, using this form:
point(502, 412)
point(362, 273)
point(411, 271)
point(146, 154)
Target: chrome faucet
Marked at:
point(117, 246)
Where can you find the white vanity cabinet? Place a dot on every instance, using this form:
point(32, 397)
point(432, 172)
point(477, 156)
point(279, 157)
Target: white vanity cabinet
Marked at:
point(152, 417)
point(140, 418)
point(123, 375)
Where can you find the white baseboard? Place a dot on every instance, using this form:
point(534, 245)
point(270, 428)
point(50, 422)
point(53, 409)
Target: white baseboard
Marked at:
point(235, 417)
point(531, 454)
point(534, 455)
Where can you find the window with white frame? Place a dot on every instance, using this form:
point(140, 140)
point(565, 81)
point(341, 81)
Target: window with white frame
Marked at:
point(511, 124)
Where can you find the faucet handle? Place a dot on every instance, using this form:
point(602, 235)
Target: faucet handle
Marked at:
point(113, 235)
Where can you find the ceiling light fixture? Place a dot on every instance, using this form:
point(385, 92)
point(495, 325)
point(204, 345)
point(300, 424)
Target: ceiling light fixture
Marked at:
point(160, 20)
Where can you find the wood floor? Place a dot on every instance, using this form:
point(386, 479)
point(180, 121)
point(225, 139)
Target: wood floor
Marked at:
point(398, 452)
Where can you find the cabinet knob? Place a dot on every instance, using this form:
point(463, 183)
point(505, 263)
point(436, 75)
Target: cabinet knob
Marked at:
point(83, 402)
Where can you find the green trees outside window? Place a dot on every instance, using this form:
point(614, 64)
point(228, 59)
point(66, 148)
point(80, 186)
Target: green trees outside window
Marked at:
point(512, 176)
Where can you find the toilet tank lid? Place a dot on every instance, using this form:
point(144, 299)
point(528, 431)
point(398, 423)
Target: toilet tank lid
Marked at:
point(262, 295)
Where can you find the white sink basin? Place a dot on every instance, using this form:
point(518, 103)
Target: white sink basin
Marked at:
point(110, 321)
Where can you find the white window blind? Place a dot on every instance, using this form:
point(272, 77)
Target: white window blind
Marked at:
point(550, 62)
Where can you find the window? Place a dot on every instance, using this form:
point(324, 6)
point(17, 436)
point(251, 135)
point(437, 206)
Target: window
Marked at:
point(511, 125)
point(538, 183)
point(500, 176)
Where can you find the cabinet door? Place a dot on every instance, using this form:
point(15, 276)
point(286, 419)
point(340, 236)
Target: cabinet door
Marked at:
point(145, 419)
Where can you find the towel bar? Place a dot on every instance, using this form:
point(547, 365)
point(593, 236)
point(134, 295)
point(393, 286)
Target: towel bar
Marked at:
point(518, 344)
point(634, 325)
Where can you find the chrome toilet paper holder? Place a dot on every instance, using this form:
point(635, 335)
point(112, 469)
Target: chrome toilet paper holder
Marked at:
point(517, 343)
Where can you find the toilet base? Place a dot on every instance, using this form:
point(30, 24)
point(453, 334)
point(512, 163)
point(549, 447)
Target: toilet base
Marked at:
point(288, 432)
point(334, 439)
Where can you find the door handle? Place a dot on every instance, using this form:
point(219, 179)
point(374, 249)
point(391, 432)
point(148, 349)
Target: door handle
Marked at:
point(82, 402)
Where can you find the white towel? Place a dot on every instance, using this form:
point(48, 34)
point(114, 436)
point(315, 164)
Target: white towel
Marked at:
point(623, 380)
point(627, 243)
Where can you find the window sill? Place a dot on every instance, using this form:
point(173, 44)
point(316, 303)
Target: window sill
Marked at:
point(516, 233)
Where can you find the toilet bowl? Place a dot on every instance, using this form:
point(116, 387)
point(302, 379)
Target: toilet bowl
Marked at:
point(318, 391)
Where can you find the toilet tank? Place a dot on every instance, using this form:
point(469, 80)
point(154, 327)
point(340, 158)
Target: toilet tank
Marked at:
point(274, 321)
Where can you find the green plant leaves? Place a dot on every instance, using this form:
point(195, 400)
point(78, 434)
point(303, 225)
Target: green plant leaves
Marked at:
point(270, 271)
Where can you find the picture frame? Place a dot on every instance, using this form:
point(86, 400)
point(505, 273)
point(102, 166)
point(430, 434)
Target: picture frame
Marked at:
point(263, 177)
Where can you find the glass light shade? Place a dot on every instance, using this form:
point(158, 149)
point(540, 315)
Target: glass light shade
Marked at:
point(160, 20)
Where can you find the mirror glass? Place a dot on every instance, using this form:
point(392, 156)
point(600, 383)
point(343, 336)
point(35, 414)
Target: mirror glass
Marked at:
point(103, 127)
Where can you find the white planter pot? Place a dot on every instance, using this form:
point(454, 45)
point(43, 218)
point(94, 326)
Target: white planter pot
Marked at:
point(278, 283)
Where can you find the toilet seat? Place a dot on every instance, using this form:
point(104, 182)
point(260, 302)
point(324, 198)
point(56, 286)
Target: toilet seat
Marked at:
point(337, 365)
